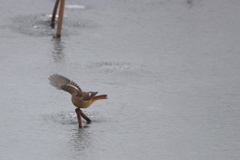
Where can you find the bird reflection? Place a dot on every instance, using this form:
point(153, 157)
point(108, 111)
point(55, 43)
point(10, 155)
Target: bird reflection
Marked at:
point(58, 50)
point(80, 139)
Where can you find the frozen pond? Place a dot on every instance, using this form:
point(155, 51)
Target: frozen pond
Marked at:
point(169, 67)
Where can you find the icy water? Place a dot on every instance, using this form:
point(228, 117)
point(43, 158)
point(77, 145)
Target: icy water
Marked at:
point(169, 67)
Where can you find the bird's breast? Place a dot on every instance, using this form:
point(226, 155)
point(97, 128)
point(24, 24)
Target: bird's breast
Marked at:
point(78, 102)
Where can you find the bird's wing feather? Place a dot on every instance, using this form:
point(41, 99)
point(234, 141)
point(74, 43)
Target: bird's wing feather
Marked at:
point(61, 82)
point(70, 89)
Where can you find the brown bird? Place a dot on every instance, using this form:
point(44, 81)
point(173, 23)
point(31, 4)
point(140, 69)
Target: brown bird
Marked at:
point(80, 99)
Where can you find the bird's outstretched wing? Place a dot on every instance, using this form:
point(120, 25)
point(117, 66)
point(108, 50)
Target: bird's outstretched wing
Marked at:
point(63, 83)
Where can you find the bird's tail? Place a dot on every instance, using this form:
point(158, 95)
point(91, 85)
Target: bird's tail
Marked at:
point(104, 96)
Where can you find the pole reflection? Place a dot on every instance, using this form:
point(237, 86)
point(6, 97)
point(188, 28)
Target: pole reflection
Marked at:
point(58, 50)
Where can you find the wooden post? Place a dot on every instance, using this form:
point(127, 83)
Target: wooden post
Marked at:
point(54, 13)
point(77, 110)
point(85, 117)
point(60, 18)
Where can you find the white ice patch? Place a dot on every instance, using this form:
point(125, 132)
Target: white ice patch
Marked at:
point(49, 16)
point(75, 6)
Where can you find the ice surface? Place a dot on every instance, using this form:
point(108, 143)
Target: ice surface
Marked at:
point(169, 67)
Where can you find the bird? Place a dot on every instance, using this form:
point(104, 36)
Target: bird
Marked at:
point(80, 99)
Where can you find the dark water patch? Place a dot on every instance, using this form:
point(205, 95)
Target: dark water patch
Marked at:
point(63, 118)
point(40, 25)
point(122, 73)
point(122, 68)
point(66, 118)
point(32, 25)
point(85, 24)
point(112, 66)
point(190, 3)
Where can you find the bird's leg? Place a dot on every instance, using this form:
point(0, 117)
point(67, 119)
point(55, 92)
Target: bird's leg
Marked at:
point(84, 116)
point(77, 110)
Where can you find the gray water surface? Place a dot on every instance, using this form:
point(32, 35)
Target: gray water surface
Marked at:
point(169, 67)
